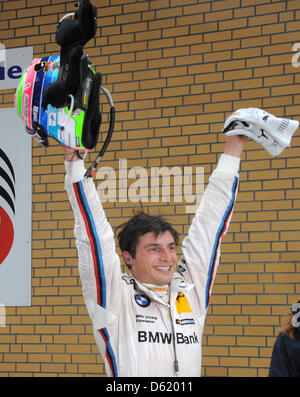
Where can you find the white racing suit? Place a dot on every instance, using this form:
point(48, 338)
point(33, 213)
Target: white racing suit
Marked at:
point(137, 333)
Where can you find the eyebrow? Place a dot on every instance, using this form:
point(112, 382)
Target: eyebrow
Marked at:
point(158, 245)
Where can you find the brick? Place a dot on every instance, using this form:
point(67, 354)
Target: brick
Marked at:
point(252, 42)
point(90, 368)
point(62, 358)
point(218, 16)
point(220, 341)
point(215, 371)
point(217, 36)
point(242, 372)
point(13, 5)
point(260, 362)
point(52, 367)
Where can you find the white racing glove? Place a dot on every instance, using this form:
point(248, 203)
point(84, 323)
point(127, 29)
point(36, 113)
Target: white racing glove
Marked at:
point(273, 133)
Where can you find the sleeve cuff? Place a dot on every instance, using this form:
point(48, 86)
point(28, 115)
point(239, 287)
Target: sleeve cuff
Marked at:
point(229, 164)
point(75, 170)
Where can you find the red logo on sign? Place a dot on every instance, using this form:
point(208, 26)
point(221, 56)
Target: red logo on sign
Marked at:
point(7, 193)
point(6, 233)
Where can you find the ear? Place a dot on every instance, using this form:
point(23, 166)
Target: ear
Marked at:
point(127, 257)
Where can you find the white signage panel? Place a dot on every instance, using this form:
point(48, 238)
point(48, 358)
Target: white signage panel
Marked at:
point(15, 210)
point(13, 62)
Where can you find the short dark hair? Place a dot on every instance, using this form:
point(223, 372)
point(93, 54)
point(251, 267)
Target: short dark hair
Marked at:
point(140, 224)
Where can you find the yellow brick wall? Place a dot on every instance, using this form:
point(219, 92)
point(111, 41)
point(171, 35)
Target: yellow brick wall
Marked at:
point(176, 69)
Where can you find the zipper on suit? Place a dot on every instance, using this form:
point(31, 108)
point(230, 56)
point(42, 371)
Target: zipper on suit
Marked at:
point(176, 363)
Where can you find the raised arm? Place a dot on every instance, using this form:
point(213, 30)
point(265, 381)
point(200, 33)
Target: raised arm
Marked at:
point(71, 154)
point(99, 264)
point(201, 247)
point(235, 145)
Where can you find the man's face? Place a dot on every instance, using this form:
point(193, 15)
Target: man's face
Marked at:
point(155, 259)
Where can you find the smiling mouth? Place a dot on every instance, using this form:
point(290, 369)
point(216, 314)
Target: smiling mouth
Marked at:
point(164, 268)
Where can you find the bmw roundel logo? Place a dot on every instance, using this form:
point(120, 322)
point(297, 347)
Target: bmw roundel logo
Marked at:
point(142, 300)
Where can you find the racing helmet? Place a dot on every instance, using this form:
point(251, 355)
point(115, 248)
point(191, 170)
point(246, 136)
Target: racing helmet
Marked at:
point(58, 96)
point(70, 124)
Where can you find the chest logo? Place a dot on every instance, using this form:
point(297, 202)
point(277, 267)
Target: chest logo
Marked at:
point(142, 300)
point(182, 304)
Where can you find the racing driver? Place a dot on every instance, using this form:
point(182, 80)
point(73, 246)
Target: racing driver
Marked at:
point(149, 322)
